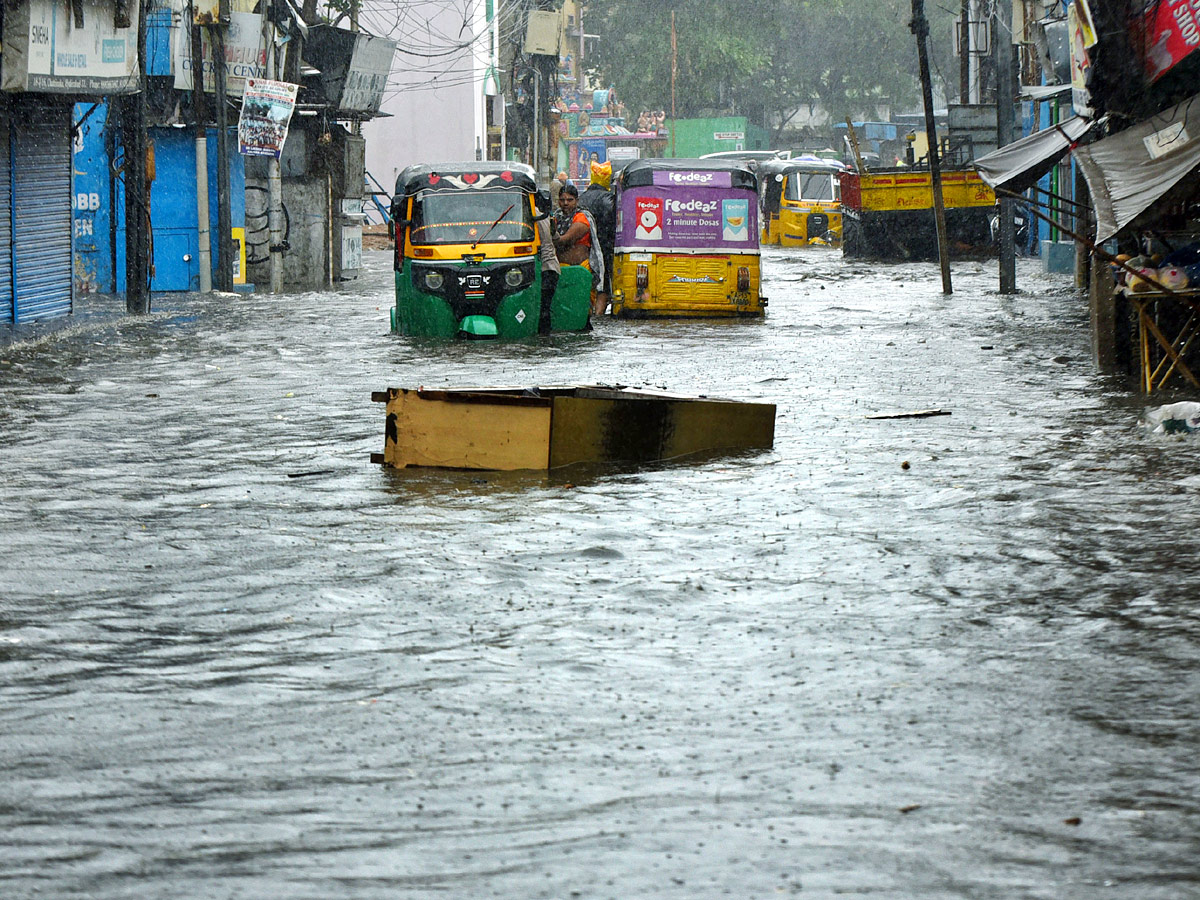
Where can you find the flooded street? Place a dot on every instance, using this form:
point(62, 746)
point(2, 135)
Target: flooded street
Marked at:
point(237, 660)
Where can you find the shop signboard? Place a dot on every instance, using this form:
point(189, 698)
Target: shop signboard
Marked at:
point(52, 48)
point(1170, 32)
point(244, 55)
point(354, 67)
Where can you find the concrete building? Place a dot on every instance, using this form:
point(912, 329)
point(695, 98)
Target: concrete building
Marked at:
point(444, 91)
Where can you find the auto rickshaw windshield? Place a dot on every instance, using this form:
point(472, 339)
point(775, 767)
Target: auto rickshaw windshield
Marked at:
point(811, 186)
point(441, 217)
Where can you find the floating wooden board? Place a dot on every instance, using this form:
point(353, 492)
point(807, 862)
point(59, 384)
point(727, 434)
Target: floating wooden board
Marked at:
point(548, 427)
point(915, 414)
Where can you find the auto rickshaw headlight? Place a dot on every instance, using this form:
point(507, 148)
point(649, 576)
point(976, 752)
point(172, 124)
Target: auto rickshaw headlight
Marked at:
point(514, 278)
point(434, 280)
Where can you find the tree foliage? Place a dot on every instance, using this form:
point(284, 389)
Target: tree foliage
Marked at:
point(760, 58)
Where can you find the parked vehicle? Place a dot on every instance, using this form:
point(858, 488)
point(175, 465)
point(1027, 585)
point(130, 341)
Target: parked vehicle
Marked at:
point(801, 202)
point(466, 261)
point(748, 158)
point(687, 240)
point(888, 213)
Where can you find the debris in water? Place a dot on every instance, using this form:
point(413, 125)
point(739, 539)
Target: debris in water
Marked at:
point(915, 414)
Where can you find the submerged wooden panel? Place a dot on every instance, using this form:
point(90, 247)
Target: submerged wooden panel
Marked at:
point(548, 427)
point(599, 426)
point(465, 431)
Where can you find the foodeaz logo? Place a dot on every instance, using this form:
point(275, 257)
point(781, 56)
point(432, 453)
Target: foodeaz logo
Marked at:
point(649, 218)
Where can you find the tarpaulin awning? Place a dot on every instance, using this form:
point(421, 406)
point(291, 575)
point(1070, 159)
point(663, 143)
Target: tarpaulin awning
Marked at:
point(1130, 171)
point(1018, 166)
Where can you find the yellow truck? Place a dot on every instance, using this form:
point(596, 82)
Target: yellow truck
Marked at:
point(888, 213)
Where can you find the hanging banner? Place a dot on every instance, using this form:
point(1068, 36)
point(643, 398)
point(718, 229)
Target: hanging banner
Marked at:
point(266, 111)
point(1083, 36)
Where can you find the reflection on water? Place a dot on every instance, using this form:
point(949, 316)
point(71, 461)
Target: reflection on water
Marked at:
point(239, 659)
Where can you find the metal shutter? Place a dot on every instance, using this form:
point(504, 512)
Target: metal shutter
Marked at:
point(41, 202)
point(6, 293)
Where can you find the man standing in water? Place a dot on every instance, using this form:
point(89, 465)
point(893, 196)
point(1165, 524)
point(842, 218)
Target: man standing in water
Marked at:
point(599, 200)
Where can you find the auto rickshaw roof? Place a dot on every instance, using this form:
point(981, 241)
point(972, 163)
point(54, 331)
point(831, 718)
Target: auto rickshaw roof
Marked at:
point(640, 172)
point(458, 176)
point(801, 164)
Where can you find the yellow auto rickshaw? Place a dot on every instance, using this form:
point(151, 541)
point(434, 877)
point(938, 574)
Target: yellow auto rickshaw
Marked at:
point(686, 240)
point(801, 203)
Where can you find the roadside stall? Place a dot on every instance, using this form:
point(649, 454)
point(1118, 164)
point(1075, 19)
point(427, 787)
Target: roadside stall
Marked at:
point(1145, 189)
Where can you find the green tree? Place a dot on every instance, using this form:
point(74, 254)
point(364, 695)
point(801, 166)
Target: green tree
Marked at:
point(761, 58)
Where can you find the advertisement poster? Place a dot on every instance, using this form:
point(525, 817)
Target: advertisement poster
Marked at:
point(589, 152)
point(1079, 28)
point(689, 218)
point(266, 111)
point(1169, 33)
point(244, 55)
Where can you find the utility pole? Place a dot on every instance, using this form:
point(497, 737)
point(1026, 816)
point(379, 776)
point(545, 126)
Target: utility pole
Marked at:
point(137, 209)
point(674, 69)
point(920, 27)
point(964, 53)
point(224, 217)
point(203, 233)
point(274, 178)
point(1002, 27)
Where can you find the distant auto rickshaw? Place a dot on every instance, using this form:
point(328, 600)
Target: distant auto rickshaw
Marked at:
point(687, 240)
point(467, 260)
point(801, 202)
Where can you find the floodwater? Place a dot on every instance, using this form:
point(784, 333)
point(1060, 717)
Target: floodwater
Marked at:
point(238, 660)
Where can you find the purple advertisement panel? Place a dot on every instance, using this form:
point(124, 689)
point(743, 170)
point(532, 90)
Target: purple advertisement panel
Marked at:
point(691, 218)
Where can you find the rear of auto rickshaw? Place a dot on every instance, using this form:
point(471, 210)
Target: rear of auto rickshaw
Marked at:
point(686, 240)
point(801, 202)
point(467, 242)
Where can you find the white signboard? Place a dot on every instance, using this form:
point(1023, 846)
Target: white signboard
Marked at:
point(244, 54)
point(46, 50)
point(1167, 140)
point(729, 135)
point(370, 66)
point(351, 248)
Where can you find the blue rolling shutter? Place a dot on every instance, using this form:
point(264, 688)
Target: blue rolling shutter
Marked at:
point(6, 293)
point(41, 201)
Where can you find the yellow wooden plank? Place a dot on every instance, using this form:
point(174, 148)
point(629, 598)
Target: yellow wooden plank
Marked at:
point(466, 435)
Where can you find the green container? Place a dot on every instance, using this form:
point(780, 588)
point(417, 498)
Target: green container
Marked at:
point(572, 301)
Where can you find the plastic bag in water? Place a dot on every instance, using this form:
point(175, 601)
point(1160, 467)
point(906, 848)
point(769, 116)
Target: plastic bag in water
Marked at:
point(1174, 418)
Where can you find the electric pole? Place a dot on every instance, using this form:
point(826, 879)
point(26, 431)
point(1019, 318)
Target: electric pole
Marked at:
point(1002, 27)
point(920, 27)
